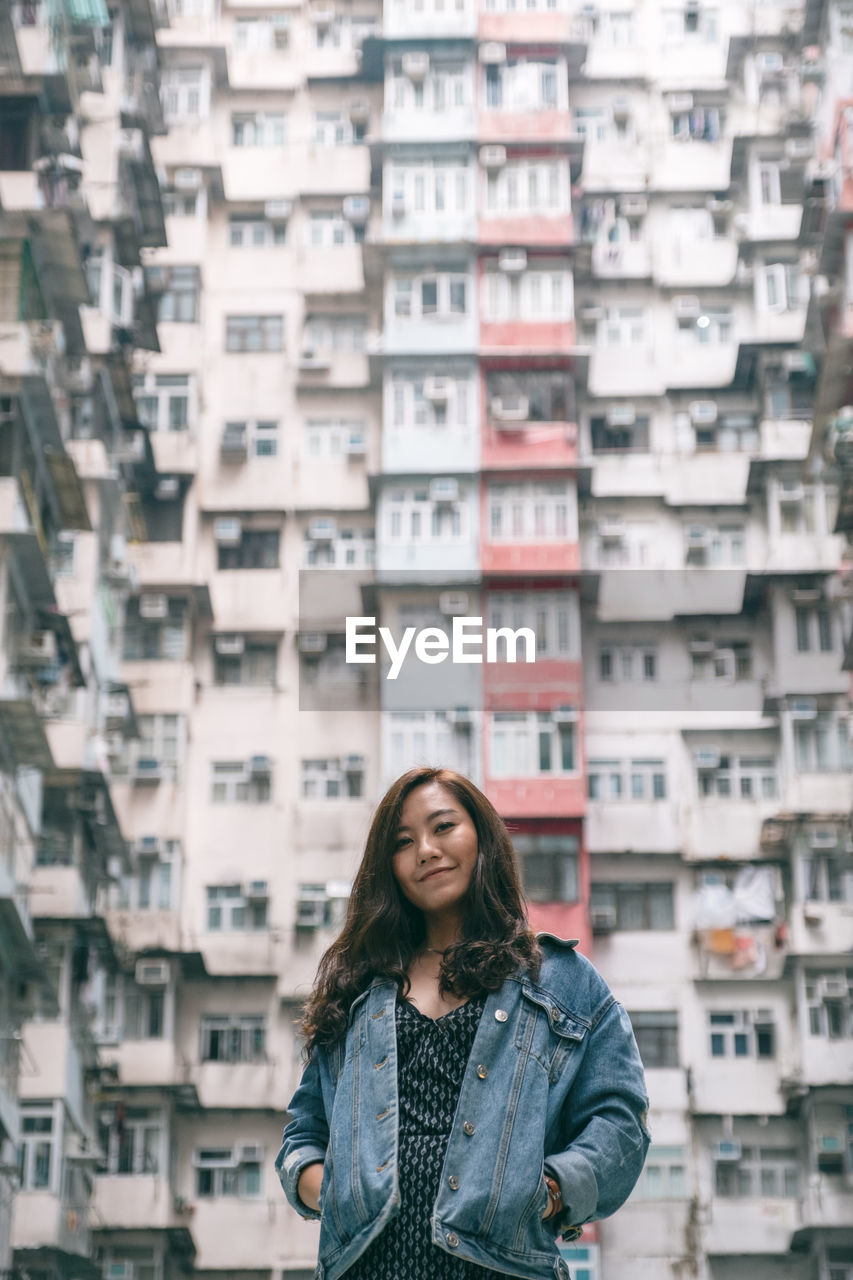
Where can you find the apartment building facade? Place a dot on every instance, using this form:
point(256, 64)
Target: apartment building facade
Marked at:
point(421, 312)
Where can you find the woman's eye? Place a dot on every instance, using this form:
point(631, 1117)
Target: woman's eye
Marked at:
point(444, 826)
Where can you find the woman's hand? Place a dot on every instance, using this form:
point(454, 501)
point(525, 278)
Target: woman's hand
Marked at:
point(308, 1187)
point(555, 1199)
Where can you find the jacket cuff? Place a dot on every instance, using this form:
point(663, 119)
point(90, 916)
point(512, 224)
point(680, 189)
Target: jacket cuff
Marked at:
point(290, 1171)
point(578, 1187)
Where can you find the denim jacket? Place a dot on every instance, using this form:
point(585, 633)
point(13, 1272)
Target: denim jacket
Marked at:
point(554, 1084)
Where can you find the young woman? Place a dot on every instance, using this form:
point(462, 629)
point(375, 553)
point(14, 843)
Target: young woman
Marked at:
point(472, 1090)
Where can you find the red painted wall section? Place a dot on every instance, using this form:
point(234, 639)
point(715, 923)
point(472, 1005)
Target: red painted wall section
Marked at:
point(539, 797)
point(526, 229)
point(566, 919)
point(525, 27)
point(532, 686)
point(536, 445)
point(535, 126)
point(536, 337)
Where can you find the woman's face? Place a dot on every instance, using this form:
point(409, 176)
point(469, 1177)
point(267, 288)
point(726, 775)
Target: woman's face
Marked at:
point(435, 851)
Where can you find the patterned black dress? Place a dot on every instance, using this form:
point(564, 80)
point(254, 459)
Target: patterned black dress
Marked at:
point(431, 1058)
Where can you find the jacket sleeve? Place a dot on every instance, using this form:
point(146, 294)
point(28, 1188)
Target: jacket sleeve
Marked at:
point(604, 1125)
point(306, 1137)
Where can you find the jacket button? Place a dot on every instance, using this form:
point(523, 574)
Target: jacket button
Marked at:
point(453, 1182)
point(555, 1015)
point(501, 1015)
point(468, 1127)
point(452, 1239)
point(482, 1071)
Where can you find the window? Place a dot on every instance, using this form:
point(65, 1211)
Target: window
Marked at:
point(440, 190)
point(333, 129)
point(619, 664)
point(635, 905)
point(526, 86)
point(768, 1172)
point(260, 434)
point(152, 883)
point(258, 129)
point(729, 660)
point(255, 233)
point(664, 1175)
point(328, 229)
point(741, 1034)
point(641, 779)
point(713, 546)
point(531, 295)
point(144, 1013)
point(828, 877)
point(549, 867)
point(690, 24)
point(235, 782)
point(528, 187)
point(222, 1171)
point(234, 908)
point(783, 287)
point(806, 508)
point(235, 1038)
point(410, 516)
point(179, 303)
point(529, 744)
point(134, 1144)
point(185, 93)
point(254, 333)
point(621, 437)
point(738, 777)
point(162, 739)
point(657, 1037)
point(447, 87)
point(623, 327)
point(822, 744)
point(829, 997)
point(350, 548)
point(335, 333)
point(439, 297)
point(698, 124)
point(260, 35)
point(769, 182)
point(164, 401)
point(422, 737)
point(549, 394)
point(332, 437)
point(37, 1147)
point(711, 327)
point(254, 665)
point(257, 549)
point(553, 615)
point(147, 639)
point(415, 400)
point(814, 628)
point(532, 511)
point(335, 778)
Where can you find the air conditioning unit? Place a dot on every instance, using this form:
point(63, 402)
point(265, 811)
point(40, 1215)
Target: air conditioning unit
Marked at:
point(611, 529)
point(416, 64)
point(187, 179)
point(493, 157)
point(311, 909)
point(312, 641)
point(257, 890)
point(260, 765)
point(564, 715)
point(678, 102)
point(806, 595)
point(147, 846)
point(451, 603)
point(398, 205)
point(798, 148)
point(703, 413)
point(167, 489)
point(686, 306)
point(492, 52)
point(38, 649)
point(358, 110)
point(591, 312)
point(233, 446)
point(322, 15)
point(322, 529)
point(727, 1149)
point(706, 759)
point(356, 208)
point(602, 919)
point(790, 491)
point(227, 530)
point(797, 362)
point(252, 1155)
point(118, 1271)
point(719, 206)
point(633, 206)
point(832, 987)
point(310, 358)
point(152, 973)
point(443, 489)
point(511, 260)
point(621, 108)
point(621, 415)
point(460, 716)
point(510, 409)
point(436, 389)
point(154, 606)
point(696, 537)
point(803, 708)
point(278, 210)
point(116, 708)
point(356, 444)
point(701, 645)
point(229, 646)
point(823, 838)
point(353, 764)
point(147, 770)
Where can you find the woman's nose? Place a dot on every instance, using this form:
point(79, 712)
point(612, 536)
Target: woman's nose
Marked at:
point(426, 849)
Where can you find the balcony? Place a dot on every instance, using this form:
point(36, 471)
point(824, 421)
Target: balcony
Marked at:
point(151, 1064)
point(827, 1203)
point(741, 954)
point(821, 928)
point(256, 1084)
point(691, 166)
point(526, 337)
point(750, 1226)
point(726, 829)
point(528, 229)
point(697, 264)
point(329, 271)
point(136, 1202)
point(542, 684)
point(402, 20)
point(627, 371)
point(433, 127)
point(277, 173)
point(636, 826)
point(546, 126)
point(46, 1223)
point(513, 445)
point(415, 449)
point(523, 27)
point(537, 797)
point(144, 930)
point(770, 221)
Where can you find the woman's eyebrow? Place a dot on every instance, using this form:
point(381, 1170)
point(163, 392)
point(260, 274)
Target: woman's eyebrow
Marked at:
point(436, 813)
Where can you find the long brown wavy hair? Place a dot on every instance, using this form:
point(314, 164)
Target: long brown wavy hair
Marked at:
point(383, 930)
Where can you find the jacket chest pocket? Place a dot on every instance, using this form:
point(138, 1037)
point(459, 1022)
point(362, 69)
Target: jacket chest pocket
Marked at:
point(547, 1032)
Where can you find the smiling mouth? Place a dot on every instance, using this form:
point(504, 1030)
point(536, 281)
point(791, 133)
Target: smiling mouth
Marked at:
point(438, 871)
